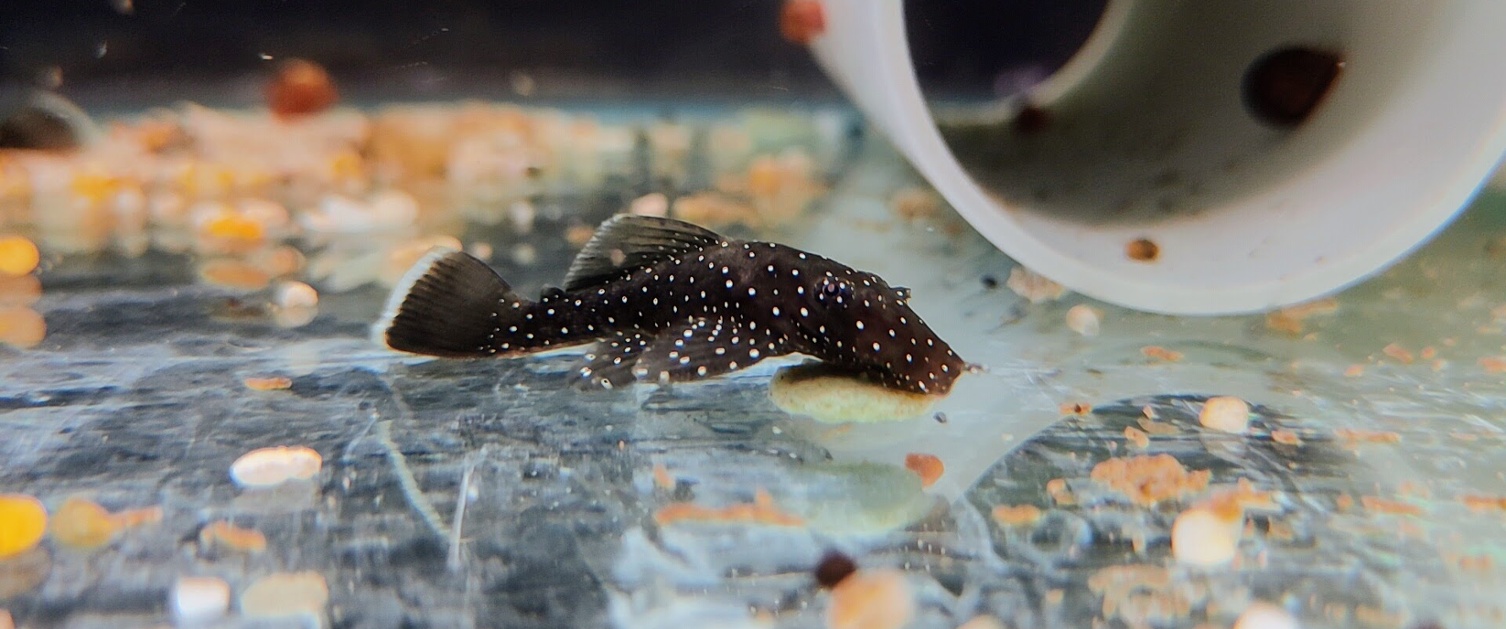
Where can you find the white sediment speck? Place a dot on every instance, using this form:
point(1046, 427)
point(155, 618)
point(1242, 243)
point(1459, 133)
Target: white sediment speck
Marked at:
point(1083, 319)
point(198, 601)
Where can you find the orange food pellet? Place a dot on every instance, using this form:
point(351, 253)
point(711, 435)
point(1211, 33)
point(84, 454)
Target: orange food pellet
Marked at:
point(234, 274)
point(83, 524)
point(1142, 250)
point(1493, 364)
point(23, 522)
point(21, 327)
point(270, 383)
point(871, 599)
point(928, 467)
point(20, 290)
point(300, 88)
point(226, 535)
point(761, 511)
point(1156, 352)
point(801, 21)
point(1016, 515)
point(1146, 480)
point(18, 255)
point(234, 226)
point(1137, 437)
point(1354, 371)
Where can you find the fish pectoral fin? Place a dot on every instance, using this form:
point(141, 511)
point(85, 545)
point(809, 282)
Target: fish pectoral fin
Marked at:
point(610, 363)
point(703, 348)
point(448, 304)
point(627, 242)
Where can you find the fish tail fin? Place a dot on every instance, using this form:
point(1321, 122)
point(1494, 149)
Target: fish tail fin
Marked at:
point(448, 304)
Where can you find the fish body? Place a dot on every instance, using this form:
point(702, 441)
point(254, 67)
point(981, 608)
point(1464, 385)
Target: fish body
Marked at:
point(669, 301)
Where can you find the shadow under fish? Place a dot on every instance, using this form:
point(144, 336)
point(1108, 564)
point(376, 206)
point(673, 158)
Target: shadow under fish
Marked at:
point(668, 301)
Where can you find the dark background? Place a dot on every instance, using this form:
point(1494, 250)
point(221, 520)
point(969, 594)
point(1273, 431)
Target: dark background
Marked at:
point(423, 47)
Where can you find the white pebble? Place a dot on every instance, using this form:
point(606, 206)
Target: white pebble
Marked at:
point(1199, 537)
point(293, 294)
point(1034, 287)
point(1083, 320)
point(522, 214)
point(1263, 615)
point(393, 209)
point(652, 204)
point(199, 600)
point(286, 594)
point(481, 250)
point(524, 254)
point(269, 467)
point(1229, 414)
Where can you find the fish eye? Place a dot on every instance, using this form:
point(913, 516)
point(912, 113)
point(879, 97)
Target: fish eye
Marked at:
point(834, 288)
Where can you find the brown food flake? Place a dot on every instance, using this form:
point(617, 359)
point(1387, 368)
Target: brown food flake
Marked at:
point(1395, 507)
point(1156, 352)
point(1354, 371)
point(662, 478)
point(1147, 480)
point(912, 204)
point(927, 466)
point(1137, 437)
point(1280, 321)
point(1478, 503)
point(1017, 515)
point(1060, 494)
point(269, 383)
point(1285, 437)
point(1481, 564)
point(222, 534)
point(1157, 428)
point(1353, 436)
point(1399, 353)
point(1076, 408)
point(1142, 250)
point(761, 511)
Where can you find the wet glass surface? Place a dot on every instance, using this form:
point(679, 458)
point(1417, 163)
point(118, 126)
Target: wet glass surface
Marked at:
point(1368, 488)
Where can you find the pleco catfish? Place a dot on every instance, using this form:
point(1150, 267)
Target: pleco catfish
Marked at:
point(669, 301)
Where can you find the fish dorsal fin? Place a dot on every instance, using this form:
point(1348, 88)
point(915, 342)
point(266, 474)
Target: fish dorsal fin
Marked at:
point(627, 242)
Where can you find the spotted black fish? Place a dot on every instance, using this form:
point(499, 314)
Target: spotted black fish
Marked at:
point(667, 300)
